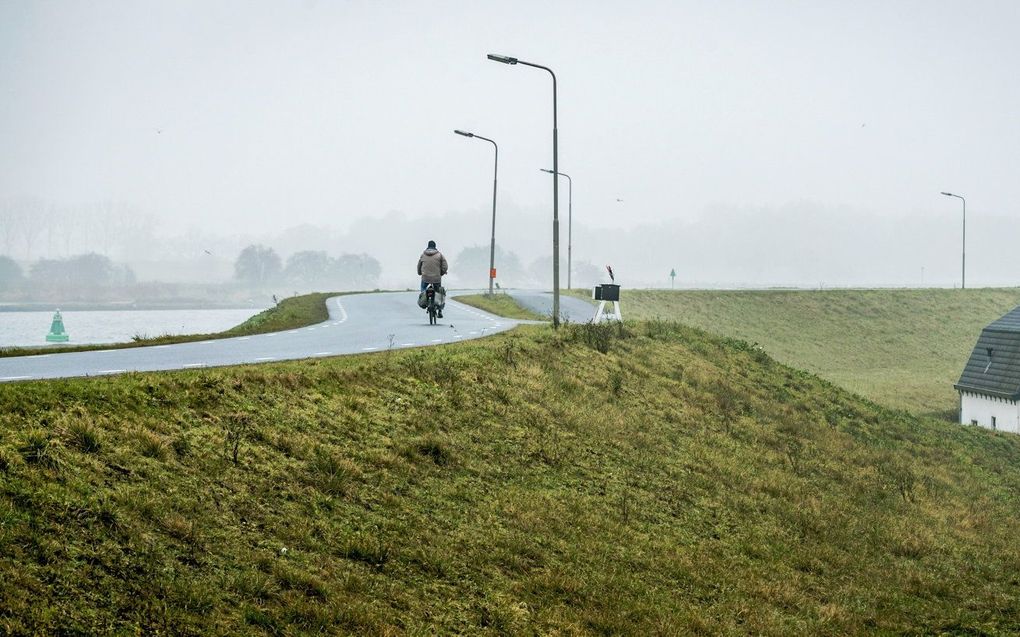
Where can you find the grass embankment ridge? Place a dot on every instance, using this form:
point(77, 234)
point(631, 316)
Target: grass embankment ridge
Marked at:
point(501, 305)
point(902, 347)
point(649, 480)
point(288, 314)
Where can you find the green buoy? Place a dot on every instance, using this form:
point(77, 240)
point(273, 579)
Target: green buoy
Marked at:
point(57, 333)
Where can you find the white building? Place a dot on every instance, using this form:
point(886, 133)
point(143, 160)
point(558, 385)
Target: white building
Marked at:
point(990, 384)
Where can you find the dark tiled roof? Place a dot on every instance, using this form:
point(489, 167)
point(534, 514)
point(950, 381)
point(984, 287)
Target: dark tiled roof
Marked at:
point(998, 374)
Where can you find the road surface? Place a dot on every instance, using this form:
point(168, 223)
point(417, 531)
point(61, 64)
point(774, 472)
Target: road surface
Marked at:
point(358, 323)
point(572, 309)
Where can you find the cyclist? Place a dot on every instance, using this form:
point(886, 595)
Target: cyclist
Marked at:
point(432, 266)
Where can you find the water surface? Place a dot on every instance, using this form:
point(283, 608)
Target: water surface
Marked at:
point(116, 326)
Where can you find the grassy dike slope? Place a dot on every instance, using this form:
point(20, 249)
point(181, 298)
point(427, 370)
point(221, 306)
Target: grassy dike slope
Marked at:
point(903, 348)
point(655, 481)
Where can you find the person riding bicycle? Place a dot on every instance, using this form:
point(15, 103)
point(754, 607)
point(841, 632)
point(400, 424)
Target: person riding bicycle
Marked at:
point(432, 266)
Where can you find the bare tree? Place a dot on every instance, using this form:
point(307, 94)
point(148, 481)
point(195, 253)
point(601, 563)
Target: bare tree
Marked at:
point(10, 223)
point(33, 222)
point(257, 265)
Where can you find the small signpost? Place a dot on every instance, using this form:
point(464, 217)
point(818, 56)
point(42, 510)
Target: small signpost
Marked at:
point(605, 293)
point(672, 277)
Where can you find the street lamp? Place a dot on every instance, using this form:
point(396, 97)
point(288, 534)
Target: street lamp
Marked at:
point(570, 221)
point(505, 59)
point(492, 240)
point(963, 250)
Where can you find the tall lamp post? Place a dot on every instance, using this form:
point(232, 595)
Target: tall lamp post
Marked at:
point(570, 221)
point(495, 172)
point(505, 59)
point(963, 250)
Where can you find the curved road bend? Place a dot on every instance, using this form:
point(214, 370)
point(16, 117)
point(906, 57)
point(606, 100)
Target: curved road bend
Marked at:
point(572, 309)
point(357, 323)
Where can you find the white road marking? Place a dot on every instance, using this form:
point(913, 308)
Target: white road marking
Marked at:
point(161, 347)
point(244, 338)
point(407, 344)
point(458, 336)
point(192, 365)
point(111, 371)
point(343, 312)
point(473, 333)
point(271, 334)
point(15, 377)
point(368, 349)
point(437, 340)
point(322, 353)
point(264, 358)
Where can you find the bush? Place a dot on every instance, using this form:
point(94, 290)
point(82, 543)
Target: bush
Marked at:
point(84, 436)
point(433, 449)
point(367, 549)
point(151, 445)
point(598, 336)
point(40, 448)
point(181, 446)
point(6, 461)
point(331, 473)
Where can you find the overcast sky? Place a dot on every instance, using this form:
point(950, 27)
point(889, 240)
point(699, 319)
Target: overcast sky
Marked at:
point(212, 114)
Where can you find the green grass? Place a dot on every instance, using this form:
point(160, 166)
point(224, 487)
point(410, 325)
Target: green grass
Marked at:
point(655, 480)
point(903, 348)
point(290, 313)
point(500, 305)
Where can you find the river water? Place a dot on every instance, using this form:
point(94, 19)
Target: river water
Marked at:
point(115, 326)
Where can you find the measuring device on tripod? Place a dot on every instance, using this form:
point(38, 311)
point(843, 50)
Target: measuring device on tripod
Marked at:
point(607, 293)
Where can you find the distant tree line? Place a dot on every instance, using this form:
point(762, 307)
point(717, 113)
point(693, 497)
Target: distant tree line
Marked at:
point(81, 277)
point(260, 268)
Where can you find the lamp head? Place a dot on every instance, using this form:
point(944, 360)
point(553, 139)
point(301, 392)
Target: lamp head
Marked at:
point(546, 170)
point(464, 133)
point(505, 59)
point(948, 194)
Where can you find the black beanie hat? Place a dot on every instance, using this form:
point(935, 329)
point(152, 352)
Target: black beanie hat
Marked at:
point(432, 244)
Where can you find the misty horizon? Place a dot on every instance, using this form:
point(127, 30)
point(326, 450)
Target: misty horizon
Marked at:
point(742, 145)
point(731, 247)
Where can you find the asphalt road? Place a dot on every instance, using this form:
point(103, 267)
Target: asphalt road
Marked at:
point(572, 309)
point(357, 323)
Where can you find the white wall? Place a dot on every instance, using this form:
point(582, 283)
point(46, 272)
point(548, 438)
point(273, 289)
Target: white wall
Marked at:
point(982, 408)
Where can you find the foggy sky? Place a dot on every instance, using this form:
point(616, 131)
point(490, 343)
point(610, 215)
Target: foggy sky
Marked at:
point(253, 117)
